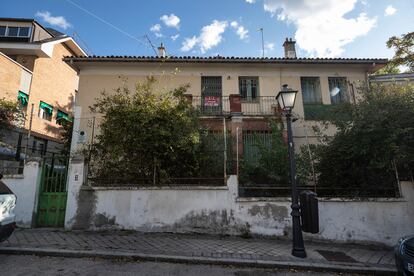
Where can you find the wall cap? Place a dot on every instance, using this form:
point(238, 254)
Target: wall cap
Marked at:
point(185, 188)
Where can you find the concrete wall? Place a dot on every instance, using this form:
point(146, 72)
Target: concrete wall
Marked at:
point(26, 188)
point(218, 210)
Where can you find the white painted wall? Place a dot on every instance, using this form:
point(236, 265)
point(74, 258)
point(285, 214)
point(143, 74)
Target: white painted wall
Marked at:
point(26, 188)
point(218, 210)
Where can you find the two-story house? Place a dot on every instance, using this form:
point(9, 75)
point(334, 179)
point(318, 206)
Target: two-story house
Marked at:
point(32, 72)
point(240, 89)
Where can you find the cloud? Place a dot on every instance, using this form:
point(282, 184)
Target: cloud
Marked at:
point(58, 21)
point(210, 36)
point(155, 28)
point(269, 46)
point(171, 20)
point(174, 37)
point(322, 29)
point(240, 30)
point(251, 1)
point(390, 10)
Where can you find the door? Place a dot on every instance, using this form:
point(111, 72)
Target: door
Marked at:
point(211, 95)
point(53, 192)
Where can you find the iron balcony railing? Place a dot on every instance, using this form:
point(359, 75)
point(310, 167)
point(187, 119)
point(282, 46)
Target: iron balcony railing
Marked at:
point(216, 106)
point(259, 106)
point(211, 105)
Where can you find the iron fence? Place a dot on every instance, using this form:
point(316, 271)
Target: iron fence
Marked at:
point(269, 190)
point(209, 165)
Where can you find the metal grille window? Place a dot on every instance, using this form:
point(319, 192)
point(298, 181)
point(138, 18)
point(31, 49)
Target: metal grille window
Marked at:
point(338, 90)
point(311, 90)
point(249, 88)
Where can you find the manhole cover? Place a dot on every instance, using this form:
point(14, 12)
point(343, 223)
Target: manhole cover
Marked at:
point(336, 256)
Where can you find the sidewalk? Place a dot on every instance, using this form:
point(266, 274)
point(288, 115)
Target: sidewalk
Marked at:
point(266, 253)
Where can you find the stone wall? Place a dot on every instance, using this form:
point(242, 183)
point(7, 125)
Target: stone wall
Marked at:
point(26, 188)
point(219, 210)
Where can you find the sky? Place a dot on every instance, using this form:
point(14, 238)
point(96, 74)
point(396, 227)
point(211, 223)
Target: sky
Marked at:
point(321, 28)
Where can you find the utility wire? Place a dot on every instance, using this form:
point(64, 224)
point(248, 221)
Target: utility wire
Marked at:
point(106, 22)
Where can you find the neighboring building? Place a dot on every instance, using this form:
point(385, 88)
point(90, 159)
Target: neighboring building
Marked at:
point(402, 78)
point(241, 89)
point(32, 72)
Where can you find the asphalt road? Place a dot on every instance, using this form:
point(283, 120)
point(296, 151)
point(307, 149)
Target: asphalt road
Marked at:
point(34, 265)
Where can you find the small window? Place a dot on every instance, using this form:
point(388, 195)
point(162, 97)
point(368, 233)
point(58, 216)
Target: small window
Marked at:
point(45, 111)
point(12, 31)
point(338, 90)
point(62, 117)
point(24, 31)
point(311, 90)
point(249, 88)
point(2, 30)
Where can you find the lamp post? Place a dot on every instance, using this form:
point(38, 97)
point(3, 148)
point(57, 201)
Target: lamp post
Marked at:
point(286, 99)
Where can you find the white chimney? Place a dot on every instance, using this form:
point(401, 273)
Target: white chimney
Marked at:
point(161, 51)
point(289, 45)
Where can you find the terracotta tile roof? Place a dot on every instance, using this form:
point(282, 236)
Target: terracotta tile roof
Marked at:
point(222, 59)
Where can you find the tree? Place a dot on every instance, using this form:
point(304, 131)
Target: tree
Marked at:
point(10, 114)
point(404, 50)
point(271, 166)
point(375, 138)
point(146, 135)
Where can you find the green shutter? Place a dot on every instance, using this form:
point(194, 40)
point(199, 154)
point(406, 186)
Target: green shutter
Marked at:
point(63, 115)
point(47, 107)
point(23, 98)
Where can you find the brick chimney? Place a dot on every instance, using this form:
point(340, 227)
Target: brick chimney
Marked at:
point(161, 51)
point(289, 45)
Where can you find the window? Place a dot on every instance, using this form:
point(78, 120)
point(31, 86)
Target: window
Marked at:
point(12, 31)
point(311, 90)
point(249, 88)
point(24, 31)
point(23, 99)
point(338, 90)
point(45, 111)
point(2, 30)
point(15, 31)
point(62, 116)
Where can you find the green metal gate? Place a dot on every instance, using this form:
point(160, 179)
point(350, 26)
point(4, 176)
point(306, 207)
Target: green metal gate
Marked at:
point(53, 192)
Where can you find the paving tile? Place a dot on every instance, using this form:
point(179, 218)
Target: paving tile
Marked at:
point(188, 245)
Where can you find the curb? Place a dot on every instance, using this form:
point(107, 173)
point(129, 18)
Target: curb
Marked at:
point(360, 268)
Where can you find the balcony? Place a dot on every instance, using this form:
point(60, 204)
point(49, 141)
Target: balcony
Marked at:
point(225, 105)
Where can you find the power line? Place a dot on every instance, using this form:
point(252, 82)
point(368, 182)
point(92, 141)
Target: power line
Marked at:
point(76, 36)
point(152, 45)
point(107, 23)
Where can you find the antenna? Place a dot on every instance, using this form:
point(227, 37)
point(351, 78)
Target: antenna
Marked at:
point(152, 45)
point(263, 51)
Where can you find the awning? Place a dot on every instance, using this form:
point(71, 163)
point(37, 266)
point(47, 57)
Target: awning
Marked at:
point(62, 115)
point(23, 98)
point(47, 107)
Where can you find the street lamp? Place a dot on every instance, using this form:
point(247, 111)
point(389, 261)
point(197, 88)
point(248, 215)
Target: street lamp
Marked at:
point(286, 99)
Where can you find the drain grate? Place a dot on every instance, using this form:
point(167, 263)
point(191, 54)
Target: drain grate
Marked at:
point(336, 256)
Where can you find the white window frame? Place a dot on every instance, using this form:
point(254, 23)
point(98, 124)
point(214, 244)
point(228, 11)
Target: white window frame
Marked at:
point(6, 34)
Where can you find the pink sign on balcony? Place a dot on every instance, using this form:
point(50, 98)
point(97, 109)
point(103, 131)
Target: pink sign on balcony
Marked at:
point(211, 101)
